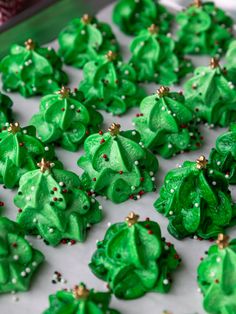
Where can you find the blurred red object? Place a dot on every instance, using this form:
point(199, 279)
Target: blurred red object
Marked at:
point(10, 8)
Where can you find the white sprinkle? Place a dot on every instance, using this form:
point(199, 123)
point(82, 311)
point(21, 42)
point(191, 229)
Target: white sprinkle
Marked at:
point(46, 148)
point(100, 207)
point(212, 274)
point(28, 270)
point(34, 89)
point(34, 264)
point(35, 220)
point(138, 196)
point(49, 48)
point(133, 132)
point(123, 97)
point(218, 259)
point(218, 163)
point(23, 274)
point(16, 257)
point(172, 191)
point(171, 212)
point(13, 280)
point(83, 32)
point(136, 162)
point(195, 237)
point(32, 188)
point(153, 179)
point(108, 224)
point(51, 230)
point(132, 187)
point(50, 81)
point(72, 107)
point(142, 43)
point(211, 171)
point(151, 173)
point(196, 205)
point(93, 200)
point(126, 72)
point(163, 108)
point(213, 182)
point(133, 123)
point(165, 281)
point(28, 198)
point(169, 145)
point(39, 237)
point(61, 183)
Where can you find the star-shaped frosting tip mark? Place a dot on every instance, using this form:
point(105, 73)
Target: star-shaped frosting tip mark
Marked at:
point(163, 91)
point(64, 92)
point(214, 63)
point(111, 56)
point(86, 19)
point(153, 29)
point(29, 44)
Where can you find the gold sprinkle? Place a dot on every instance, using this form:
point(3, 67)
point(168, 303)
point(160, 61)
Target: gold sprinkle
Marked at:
point(163, 91)
point(111, 56)
point(222, 241)
point(201, 162)
point(80, 292)
point(14, 128)
point(114, 129)
point(86, 19)
point(131, 219)
point(64, 92)
point(29, 44)
point(214, 63)
point(44, 165)
point(153, 29)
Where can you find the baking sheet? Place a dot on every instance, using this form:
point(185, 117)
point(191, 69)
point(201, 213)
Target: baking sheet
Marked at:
point(72, 261)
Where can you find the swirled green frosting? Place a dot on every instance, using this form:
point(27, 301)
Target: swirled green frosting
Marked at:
point(110, 85)
point(19, 152)
point(133, 16)
point(85, 39)
point(196, 200)
point(80, 300)
point(64, 119)
point(231, 62)
point(117, 166)
point(166, 125)
point(204, 29)
point(155, 59)
point(216, 279)
point(32, 70)
point(223, 156)
point(53, 205)
point(5, 110)
point(211, 95)
point(134, 259)
point(18, 259)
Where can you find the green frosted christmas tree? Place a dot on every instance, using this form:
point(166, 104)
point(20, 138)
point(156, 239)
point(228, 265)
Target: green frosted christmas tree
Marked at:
point(52, 204)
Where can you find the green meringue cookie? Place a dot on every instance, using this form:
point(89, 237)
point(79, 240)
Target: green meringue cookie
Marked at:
point(18, 259)
point(80, 300)
point(196, 200)
point(133, 16)
point(117, 166)
point(84, 39)
point(217, 277)
point(155, 58)
point(134, 259)
point(223, 156)
point(204, 29)
point(166, 124)
point(110, 85)
point(53, 205)
point(5, 110)
point(65, 120)
point(20, 150)
point(211, 95)
point(32, 70)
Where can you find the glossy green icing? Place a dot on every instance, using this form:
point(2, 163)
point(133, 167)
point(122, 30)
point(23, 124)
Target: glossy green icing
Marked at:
point(216, 279)
point(64, 119)
point(18, 259)
point(204, 29)
point(134, 259)
point(166, 124)
point(85, 39)
point(5, 110)
point(110, 85)
point(32, 70)
point(20, 150)
point(155, 58)
point(133, 16)
point(223, 156)
point(87, 302)
point(54, 206)
point(231, 62)
point(117, 166)
point(197, 202)
point(211, 95)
